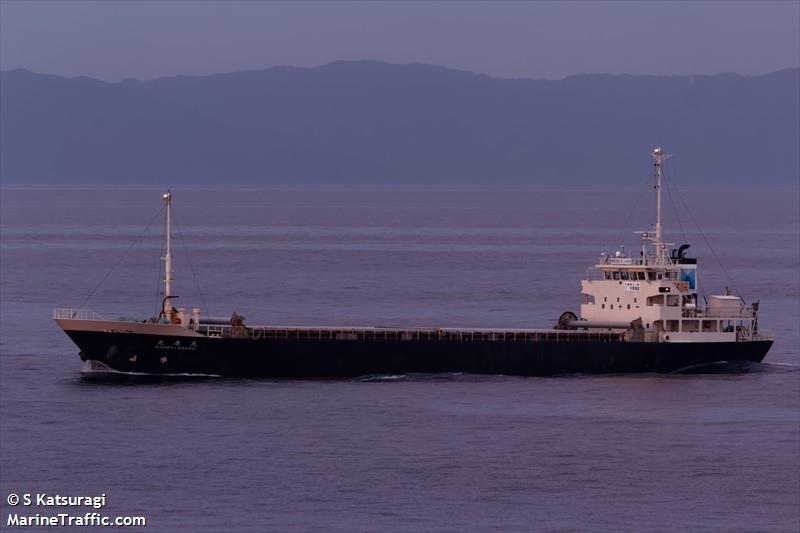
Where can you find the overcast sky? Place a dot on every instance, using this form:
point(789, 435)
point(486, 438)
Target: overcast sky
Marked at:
point(116, 40)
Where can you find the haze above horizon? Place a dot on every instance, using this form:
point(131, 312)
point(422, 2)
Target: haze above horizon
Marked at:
point(146, 40)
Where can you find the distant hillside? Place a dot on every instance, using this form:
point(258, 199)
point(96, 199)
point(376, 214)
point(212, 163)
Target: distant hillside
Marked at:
point(364, 122)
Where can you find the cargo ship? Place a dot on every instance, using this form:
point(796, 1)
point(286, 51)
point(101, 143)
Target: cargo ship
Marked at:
point(639, 313)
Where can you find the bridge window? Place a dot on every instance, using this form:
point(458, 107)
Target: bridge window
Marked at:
point(616, 275)
point(640, 275)
point(625, 275)
point(710, 326)
point(607, 274)
point(651, 276)
point(673, 300)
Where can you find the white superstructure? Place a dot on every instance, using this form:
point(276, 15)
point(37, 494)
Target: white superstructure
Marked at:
point(659, 286)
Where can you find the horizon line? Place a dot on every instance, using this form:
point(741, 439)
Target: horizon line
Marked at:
point(393, 64)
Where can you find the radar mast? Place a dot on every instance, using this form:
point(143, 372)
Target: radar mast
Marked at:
point(658, 242)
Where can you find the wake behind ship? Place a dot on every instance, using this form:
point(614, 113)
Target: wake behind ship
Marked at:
point(639, 313)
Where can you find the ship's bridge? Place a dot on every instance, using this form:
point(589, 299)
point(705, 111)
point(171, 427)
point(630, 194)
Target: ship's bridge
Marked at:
point(650, 287)
point(655, 292)
point(663, 294)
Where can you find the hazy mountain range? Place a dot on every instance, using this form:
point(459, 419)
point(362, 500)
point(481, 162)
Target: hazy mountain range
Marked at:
point(365, 122)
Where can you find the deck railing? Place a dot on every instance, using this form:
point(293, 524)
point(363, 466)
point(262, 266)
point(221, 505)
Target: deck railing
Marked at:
point(732, 314)
point(377, 334)
point(763, 335)
point(65, 313)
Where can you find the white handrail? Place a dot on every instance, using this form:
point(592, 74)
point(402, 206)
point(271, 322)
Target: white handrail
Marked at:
point(65, 313)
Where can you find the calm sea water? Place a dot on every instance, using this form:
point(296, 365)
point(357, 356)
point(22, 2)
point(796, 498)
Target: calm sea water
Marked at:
point(716, 451)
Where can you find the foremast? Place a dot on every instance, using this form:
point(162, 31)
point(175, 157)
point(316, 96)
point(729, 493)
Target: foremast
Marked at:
point(167, 258)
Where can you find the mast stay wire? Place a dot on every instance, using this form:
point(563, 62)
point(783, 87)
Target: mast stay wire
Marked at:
point(674, 204)
point(728, 277)
point(122, 257)
point(189, 259)
point(621, 231)
point(676, 209)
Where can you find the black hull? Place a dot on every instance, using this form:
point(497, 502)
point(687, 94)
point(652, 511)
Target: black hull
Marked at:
point(268, 358)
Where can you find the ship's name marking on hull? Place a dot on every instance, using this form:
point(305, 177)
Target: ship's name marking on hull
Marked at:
point(161, 345)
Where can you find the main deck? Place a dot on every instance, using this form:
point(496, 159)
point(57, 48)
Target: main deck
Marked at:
point(87, 320)
point(408, 334)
